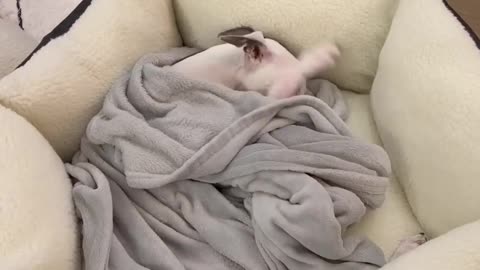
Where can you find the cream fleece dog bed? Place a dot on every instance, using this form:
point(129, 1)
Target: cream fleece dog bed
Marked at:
point(423, 65)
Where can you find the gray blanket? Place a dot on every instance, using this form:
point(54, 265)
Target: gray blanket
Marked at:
point(175, 174)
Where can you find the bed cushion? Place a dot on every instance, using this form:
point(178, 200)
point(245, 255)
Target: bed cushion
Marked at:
point(37, 221)
point(358, 27)
point(62, 86)
point(425, 102)
point(394, 220)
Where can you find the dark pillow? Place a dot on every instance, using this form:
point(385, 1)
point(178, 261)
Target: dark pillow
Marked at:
point(468, 14)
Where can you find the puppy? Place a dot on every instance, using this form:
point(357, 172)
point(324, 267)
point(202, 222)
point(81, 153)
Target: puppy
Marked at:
point(250, 62)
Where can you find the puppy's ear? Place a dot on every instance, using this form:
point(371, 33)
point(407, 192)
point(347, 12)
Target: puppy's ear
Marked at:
point(242, 36)
point(238, 31)
point(253, 43)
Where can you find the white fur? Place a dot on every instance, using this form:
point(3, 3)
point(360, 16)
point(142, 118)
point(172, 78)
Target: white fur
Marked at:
point(318, 60)
point(407, 245)
point(219, 64)
point(275, 72)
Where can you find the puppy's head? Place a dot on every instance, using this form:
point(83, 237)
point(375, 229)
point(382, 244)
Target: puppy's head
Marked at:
point(271, 69)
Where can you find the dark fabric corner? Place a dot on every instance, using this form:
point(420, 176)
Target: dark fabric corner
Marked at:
point(19, 15)
point(467, 27)
point(60, 29)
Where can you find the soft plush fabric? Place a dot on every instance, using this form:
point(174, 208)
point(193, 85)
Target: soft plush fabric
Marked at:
point(63, 84)
point(280, 179)
point(358, 27)
point(427, 66)
point(425, 102)
point(15, 45)
point(37, 222)
point(455, 250)
point(394, 220)
point(36, 17)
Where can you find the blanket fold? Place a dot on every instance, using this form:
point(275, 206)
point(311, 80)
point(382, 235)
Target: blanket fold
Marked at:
point(175, 173)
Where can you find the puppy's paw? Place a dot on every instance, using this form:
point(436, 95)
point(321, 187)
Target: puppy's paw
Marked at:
point(331, 50)
point(409, 244)
point(319, 60)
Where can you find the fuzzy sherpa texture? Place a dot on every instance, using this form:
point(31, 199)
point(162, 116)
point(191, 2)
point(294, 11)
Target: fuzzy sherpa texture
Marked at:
point(425, 101)
point(37, 221)
point(63, 84)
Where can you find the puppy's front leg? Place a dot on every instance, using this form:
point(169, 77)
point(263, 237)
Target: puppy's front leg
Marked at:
point(408, 244)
